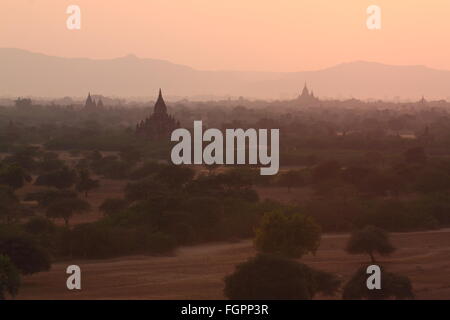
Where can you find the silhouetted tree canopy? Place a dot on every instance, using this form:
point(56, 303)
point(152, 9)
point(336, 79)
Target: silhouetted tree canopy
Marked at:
point(9, 204)
point(415, 155)
point(46, 197)
point(85, 183)
point(393, 286)
point(267, 277)
point(111, 206)
point(370, 240)
point(26, 255)
point(13, 175)
point(61, 179)
point(326, 170)
point(9, 278)
point(290, 179)
point(66, 208)
point(290, 235)
point(175, 176)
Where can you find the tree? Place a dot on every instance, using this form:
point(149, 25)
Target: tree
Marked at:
point(326, 170)
point(47, 197)
point(85, 183)
point(23, 103)
point(392, 286)
point(66, 208)
point(42, 229)
point(23, 157)
point(147, 169)
point(238, 178)
point(144, 189)
point(62, 179)
point(112, 206)
point(175, 176)
point(204, 212)
point(370, 240)
point(355, 174)
point(432, 180)
point(267, 277)
point(9, 278)
point(13, 175)
point(130, 154)
point(415, 155)
point(50, 162)
point(9, 204)
point(26, 255)
point(291, 179)
point(290, 235)
point(95, 156)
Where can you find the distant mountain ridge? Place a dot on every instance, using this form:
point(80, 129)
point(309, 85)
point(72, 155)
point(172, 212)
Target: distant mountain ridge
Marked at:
point(24, 73)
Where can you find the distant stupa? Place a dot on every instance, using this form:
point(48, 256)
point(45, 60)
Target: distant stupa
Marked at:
point(90, 103)
point(306, 98)
point(159, 124)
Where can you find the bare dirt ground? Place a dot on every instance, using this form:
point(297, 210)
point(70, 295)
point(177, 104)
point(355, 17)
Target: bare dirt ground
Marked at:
point(197, 272)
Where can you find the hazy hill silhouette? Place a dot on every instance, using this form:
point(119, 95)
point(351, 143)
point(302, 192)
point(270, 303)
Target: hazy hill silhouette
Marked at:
point(26, 73)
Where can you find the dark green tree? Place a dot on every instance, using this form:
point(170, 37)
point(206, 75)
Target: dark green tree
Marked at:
point(85, 183)
point(392, 286)
point(175, 176)
point(326, 170)
point(66, 208)
point(9, 278)
point(130, 154)
point(267, 277)
point(9, 204)
point(13, 175)
point(62, 179)
point(415, 155)
point(290, 235)
point(290, 179)
point(370, 240)
point(26, 255)
point(111, 206)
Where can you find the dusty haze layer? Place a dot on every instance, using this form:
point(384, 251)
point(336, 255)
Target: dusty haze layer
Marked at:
point(25, 73)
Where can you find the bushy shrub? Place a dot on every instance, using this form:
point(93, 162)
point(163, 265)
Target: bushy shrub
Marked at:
point(111, 206)
point(370, 240)
point(66, 208)
point(42, 230)
point(39, 225)
point(291, 235)
point(46, 197)
point(392, 286)
point(13, 176)
point(159, 243)
point(26, 255)
point(146, 170)
point(9, 278)
point(267, 277)
point(100, 240)
point(62, 178)
point(395, 215)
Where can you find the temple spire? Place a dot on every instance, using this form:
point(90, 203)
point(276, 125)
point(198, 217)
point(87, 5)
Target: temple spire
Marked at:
point(160, 105)
point(90, 103)
point(305, 91)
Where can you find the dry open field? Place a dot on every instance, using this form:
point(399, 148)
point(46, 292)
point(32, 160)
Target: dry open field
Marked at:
point(197, 272)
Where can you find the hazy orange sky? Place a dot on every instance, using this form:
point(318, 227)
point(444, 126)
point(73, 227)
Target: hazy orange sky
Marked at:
point(281, 35)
